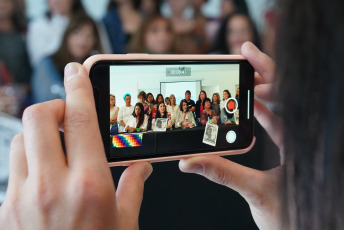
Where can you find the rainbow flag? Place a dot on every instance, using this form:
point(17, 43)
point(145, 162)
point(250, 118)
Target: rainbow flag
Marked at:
point(127, 140)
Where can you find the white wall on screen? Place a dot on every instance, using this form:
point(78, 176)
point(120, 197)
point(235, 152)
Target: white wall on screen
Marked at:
point(131, 79)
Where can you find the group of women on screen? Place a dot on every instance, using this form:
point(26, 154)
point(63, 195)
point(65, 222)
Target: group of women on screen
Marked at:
point(144, 116)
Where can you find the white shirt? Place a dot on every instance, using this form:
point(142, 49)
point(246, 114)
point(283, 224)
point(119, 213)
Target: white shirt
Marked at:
point(189, 116)
point(173, 111)
point(132, 122)
point(123, 115)
point(44, 36)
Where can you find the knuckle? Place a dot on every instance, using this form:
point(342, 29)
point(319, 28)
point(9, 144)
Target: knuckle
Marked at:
point(42, 196)
point(221, 177)
point(77, 83)
point(34, 113)
point(91, 190)
point(77, 118)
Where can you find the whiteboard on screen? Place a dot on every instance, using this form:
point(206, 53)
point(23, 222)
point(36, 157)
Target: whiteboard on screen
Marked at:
point(178, 89)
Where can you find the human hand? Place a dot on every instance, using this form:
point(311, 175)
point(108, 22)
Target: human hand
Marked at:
point(48, 190)
point(259, 188)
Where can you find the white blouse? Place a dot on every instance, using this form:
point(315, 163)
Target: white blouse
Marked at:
point(173, 111)
point(132, 123)
point(124, 113)
point(189, 116)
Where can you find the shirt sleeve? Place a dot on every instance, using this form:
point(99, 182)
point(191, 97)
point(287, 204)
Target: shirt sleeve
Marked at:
point(145, 123)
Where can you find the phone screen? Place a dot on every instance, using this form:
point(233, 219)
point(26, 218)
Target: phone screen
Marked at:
point(168, 108)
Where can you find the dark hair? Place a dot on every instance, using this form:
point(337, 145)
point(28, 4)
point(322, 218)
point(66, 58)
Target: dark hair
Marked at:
point(135, 3)
point(62, 57)
point(220, 44)
point(181, 105)
point(218, 98)
point(142, 94)
point(18, 15)
point(188, 91)
point(241, 6)
point(137, 42)
point(158, 115)
point(310, 50)
point(159, 95)
point(227, 91)
point(142, 114)
point(77, 8)
point(207, 100)
point(150, 94)
point(199, 96)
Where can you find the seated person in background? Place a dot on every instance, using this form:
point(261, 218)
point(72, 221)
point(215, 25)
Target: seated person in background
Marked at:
point(185, 118)
point(45, 33)
point(208, 114)
point(80, 40)
point(173, 109)
point(138, 120)
point(142, 96)
point(226, 95)
point(113, 115)
point(124, 113)
point(162, 113)
point(227, 118)
point(155, 36)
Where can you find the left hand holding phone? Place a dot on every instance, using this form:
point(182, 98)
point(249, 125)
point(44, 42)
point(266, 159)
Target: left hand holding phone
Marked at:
point(48, 190)
point(259, 188)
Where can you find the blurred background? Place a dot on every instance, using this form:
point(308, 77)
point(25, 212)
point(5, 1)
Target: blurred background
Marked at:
point(39, 37)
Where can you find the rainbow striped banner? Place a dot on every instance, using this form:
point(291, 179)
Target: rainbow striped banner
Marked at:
point(127, 140)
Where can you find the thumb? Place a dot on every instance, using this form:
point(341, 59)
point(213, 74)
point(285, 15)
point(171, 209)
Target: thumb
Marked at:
point(130, 192)
point(242, 179)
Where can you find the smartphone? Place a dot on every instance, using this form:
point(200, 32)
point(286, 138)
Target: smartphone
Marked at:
point(209, 110)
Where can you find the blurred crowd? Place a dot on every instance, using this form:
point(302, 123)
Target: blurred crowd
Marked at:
point(33, 53)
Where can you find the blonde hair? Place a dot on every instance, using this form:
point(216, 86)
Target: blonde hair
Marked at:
point(172, 95)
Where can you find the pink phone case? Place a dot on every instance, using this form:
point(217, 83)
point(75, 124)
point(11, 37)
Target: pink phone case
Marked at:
point(101, 57)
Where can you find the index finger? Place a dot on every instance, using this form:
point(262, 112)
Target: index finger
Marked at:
point(261, 62)
point(82, 135)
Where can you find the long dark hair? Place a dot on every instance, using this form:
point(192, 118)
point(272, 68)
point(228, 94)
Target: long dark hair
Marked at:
point(158, 115)
point(141, 116)
point(310, 62)
point(150, 94)
point(157, 97)
point(199, 96)
point(181, 105)
point(220, 42)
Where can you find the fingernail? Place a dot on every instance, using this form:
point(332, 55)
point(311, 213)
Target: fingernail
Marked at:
point(70, 71)
point(148, 171)
point(198, 169)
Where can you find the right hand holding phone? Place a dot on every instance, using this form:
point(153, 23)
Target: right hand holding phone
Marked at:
point(50, 190)
point(259, 188)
